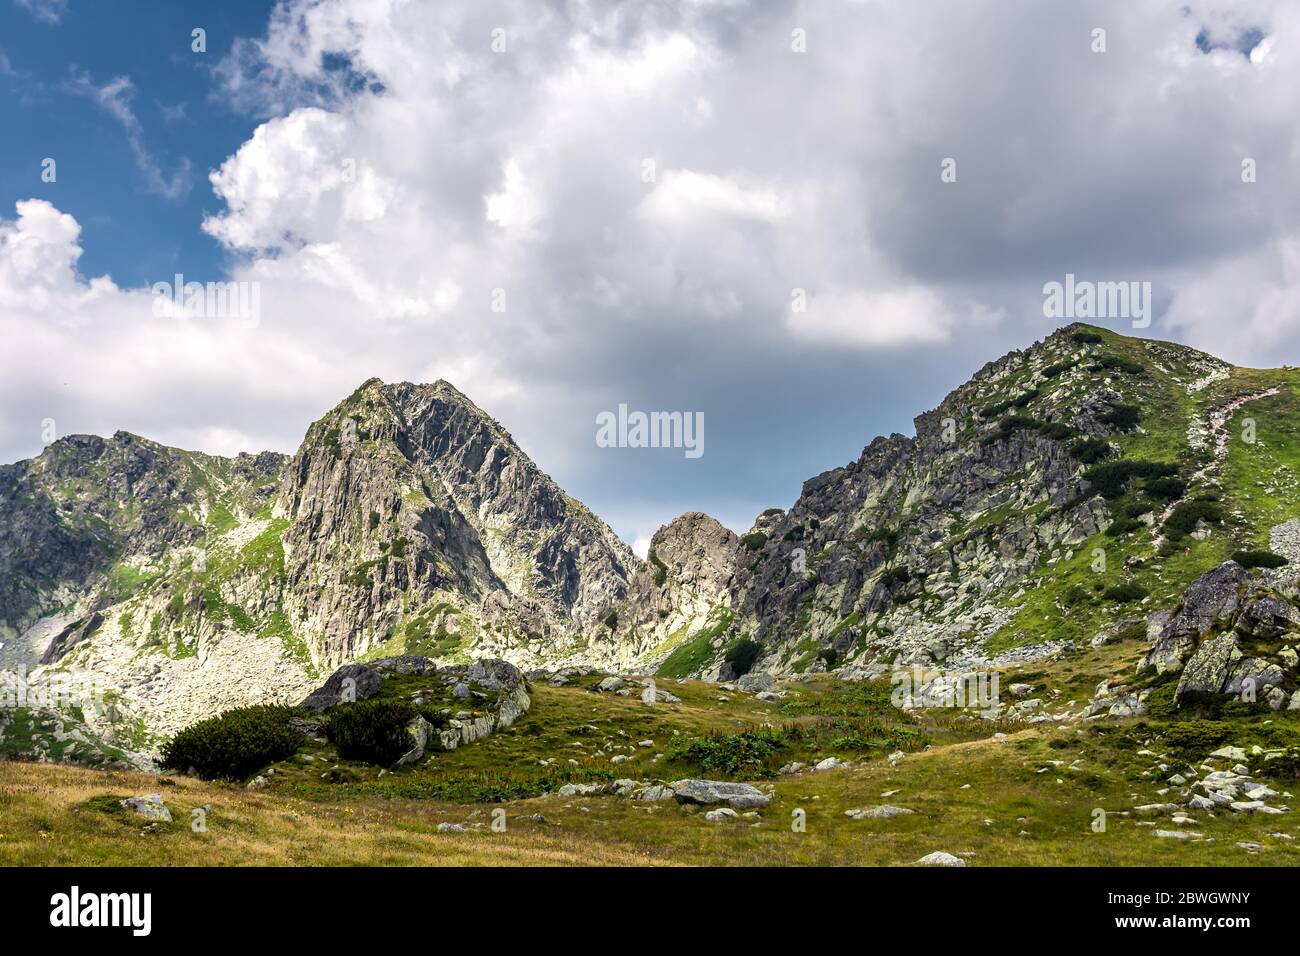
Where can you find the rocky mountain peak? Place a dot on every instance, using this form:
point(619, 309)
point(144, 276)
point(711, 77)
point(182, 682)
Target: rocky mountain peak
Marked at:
point(420, 499)
point(409, 521)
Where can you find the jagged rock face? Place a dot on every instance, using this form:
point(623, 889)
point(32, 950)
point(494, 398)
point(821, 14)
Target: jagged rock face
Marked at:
point(966, 515)
point(1209, 602)
point(408, 521)
point(689, 573)
point(88, 504)
point(408, 497)
point(1202, 638)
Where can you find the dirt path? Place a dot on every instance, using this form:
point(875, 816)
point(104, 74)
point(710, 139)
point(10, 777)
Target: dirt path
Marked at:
point(1219, 419)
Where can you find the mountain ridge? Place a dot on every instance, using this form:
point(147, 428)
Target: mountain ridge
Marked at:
point(409, 521)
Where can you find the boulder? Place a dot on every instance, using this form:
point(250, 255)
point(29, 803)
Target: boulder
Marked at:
point(349, 683)
point(739, 795)
point(417, 732)
point(150, 806)
point(939, 858)
point(579, 789)
point(883, 812)
point(755, 683)
point(1209, 602)
point(493, 674)
point(1255, 674)
point(1210, 668)
point(654, 793)
point(1268, 617)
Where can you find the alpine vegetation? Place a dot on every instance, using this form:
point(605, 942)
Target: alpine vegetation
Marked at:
point(1072, 592)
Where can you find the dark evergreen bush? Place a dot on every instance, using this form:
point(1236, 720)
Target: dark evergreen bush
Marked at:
point(1258, 559)
point(1117, 363)
point(1122, 417)
point(1090, 450)
point(1166, 488)
point(1194, 739)
point(1126, 592)
point(373, 731)
point(1184, 518)
point(233, 745)
point(661, 569)
point(1054, 370)
point(1111, 480)
point(1057, 431)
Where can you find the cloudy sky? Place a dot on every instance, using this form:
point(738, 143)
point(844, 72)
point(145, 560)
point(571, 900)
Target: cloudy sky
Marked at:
point(564, 206)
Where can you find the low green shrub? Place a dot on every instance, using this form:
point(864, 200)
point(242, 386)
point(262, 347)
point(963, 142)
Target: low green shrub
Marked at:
point(1122, 525)
point(1118, 363)
point(1258, 559)
point(1057, 431)
point(661, 569)
point(1185, 516)
point(1195, 739)
point(1017, 401)
point(745, 754)
point(1111, 480)
point(1123, 418)
point(1090, 450)
point(1160, 702)
point(1285, 766)
point(233, 745)
point(1166, 488)
point(373, 731)
point(1126, 592)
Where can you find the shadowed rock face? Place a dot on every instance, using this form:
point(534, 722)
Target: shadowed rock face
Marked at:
point(409, 495)
point(691, 570)
point(407, 519)
point(1202, 638)
point(409, 522)
point(964, 509)
point(1211, 601)
point(70, 515)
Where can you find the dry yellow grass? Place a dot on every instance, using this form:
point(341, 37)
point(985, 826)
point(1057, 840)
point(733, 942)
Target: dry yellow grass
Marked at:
point(1009, 815)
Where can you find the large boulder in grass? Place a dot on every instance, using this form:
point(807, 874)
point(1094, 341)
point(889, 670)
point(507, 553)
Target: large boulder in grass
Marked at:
point(1267, 617)
point(739, 795)
point(150, 806)
point(351, 682)
point(1211, 667)
point(361, 681)
point(1209, 603)
point(756, 682)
